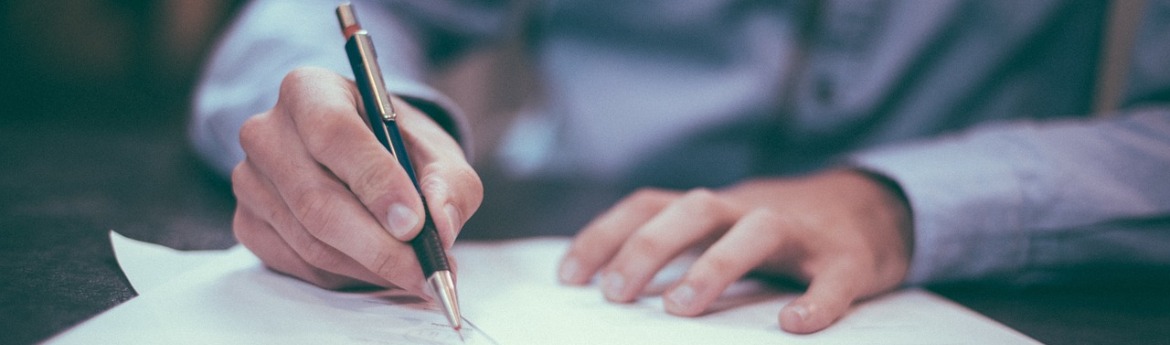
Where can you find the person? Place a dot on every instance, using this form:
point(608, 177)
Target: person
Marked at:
point(855, 146)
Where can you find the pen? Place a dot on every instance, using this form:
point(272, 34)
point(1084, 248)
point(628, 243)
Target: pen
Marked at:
point(383, 121)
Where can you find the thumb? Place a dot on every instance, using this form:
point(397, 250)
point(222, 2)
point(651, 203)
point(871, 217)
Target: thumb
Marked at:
point(828, 297)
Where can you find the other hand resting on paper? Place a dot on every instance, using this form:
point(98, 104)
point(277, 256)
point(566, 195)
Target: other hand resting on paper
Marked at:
point(320, 199)
point(841, 231)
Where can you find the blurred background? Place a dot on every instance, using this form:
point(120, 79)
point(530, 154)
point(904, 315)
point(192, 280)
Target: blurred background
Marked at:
point(103, 54)
point(94, 100)
point(93, 104)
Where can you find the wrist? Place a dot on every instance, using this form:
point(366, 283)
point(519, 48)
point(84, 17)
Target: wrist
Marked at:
point(894, 203)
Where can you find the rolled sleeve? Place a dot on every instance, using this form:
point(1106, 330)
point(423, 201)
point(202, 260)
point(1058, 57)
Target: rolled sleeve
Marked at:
point(968, 195)
point(1015, 201)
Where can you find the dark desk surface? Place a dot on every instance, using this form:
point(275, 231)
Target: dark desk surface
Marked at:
point(64, 184)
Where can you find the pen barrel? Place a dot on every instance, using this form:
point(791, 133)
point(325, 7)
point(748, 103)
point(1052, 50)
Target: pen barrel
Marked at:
point(368, 77)
point(379, 111)
point(428, 247)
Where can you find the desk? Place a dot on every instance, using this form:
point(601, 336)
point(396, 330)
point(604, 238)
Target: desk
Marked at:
point(62, 188)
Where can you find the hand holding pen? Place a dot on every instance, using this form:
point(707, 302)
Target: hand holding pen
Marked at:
point(319, 198)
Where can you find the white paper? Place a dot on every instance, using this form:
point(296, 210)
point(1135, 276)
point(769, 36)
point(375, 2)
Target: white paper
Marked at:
point(509, 290)
point(148, 265)
point(234, 300)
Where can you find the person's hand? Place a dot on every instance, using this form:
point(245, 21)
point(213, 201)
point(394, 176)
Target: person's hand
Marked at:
point(320, 199)
point(843, 233)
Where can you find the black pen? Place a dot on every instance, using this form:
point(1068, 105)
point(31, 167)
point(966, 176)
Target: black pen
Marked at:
point(380, 111)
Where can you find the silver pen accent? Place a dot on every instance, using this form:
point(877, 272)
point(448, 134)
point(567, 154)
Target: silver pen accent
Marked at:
point(382, 119)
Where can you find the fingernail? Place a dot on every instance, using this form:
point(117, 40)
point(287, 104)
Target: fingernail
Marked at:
point(614, 283)
point(400, 220)
point(569, 269)
point(682, 297)
point(801, 312)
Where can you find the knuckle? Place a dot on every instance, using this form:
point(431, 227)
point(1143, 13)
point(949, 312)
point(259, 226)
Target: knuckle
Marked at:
point(433, 183)
point(454, 198)
point(701, 194)
point(240, 227)
point(238, 172)
point(386, 264)
point(330, 125)
point(369, 179)
point(713, 267)
point(701, 202)
point(769, 220)
point(274, 214)
point(253, 133)
point(318, 255)
point(646, 194)
point(470, 184)
point(307, 95)
point(296, 78)
point(646, 245)
point(241, 180)
point(645, 200)
point(314, 207)
point(450, 180)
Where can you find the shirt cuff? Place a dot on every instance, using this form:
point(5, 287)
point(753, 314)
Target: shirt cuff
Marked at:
point(967, 197)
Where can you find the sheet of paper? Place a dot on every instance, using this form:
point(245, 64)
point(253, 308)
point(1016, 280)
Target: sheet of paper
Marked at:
point(234, 300)
point(509, 290)
point(148, 265)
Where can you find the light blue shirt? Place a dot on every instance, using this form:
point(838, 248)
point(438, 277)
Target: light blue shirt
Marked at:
point(979, 110)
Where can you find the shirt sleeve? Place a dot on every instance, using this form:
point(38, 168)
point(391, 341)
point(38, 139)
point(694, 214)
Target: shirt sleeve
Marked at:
point(269, 38)
point(1030, 202)
point(1024, 201)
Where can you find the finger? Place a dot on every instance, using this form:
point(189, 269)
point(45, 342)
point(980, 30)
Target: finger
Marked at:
point(828, 297)
point(602, 237)
point(452, 188)
point(748, 243)
point(262, 240)
point(453, 192)
point(323, 108)
point(257, 196)
point(696, 216)
point(322, 205)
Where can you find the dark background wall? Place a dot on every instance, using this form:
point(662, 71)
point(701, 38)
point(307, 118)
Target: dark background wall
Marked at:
point(93, 103)
point(120, 57)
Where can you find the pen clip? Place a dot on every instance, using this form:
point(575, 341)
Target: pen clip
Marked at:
point(364, 60)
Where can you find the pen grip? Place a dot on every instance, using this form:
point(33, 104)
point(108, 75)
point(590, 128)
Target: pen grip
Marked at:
point(429, 248)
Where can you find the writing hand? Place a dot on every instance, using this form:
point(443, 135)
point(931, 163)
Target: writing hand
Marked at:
point(320, 199)
point(844, 234)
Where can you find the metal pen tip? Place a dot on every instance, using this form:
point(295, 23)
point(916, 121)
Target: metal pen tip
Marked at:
point(444, 286)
